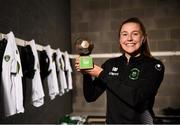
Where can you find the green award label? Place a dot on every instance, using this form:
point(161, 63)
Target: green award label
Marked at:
point(86, 62)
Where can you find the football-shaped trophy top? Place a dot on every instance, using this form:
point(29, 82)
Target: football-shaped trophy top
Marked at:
point(84, 46)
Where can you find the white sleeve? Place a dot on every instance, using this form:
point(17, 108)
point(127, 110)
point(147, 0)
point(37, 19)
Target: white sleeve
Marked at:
point(69, 70)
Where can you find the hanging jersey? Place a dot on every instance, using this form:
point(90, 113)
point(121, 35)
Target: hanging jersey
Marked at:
point(27, 61)
point(69, 70)
point(61, 72)
point(3, 44)
point(44, 65)
point(37, 89)
point(12, 78)
point(52, 77)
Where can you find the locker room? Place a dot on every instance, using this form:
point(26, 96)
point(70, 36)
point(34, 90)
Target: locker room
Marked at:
point(56, 24)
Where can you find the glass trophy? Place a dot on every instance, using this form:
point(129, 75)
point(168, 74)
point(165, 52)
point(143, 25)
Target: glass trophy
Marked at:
point(84, 48)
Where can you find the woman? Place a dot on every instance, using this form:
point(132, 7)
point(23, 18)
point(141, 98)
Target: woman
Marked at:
point(131, 80)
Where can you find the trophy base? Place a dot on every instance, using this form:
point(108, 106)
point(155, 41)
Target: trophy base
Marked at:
point(86, 62)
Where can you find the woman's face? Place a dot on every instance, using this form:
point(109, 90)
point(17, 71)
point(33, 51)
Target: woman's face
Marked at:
point(131, 38)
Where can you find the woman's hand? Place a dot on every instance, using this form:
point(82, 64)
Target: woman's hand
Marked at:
point(95, 71)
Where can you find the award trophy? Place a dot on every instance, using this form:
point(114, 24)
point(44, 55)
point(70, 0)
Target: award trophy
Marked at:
point(84, 48)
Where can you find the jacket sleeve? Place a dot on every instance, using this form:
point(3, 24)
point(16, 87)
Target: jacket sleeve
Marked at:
point(92, 88)
point(135, 92)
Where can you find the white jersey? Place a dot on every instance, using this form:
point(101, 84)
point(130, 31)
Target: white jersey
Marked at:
point(52, 77)
point(37, 89)
point(12, 78)
point(61, 72)
point(69, 70)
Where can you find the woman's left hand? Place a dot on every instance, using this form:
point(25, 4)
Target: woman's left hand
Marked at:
point(95, 71)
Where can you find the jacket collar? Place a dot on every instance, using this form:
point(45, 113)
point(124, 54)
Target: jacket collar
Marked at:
point(132, 59)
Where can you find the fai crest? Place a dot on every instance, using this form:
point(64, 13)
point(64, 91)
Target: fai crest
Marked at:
point(134, 74)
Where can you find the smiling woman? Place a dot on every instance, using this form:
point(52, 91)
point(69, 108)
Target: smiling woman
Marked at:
point(131, 81)
point(131, 38)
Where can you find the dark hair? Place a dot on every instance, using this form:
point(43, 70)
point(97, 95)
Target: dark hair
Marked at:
point(144, 47)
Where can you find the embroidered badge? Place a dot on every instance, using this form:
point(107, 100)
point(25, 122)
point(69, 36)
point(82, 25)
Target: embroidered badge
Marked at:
point(18, 67)
point(134, 74)
point(115, 69)
point(61, 65)
point(47, 60)
point(7, 58)
point(113, 73)
point(38, 67)
point(158, 67)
